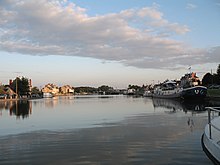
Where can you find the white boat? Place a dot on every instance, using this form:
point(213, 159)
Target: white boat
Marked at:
point(47, 95)
point(148, 93)
point(187, 88)
point(168, 89)
point(211, 137)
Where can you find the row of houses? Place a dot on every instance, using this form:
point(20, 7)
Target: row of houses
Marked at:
point(52, 89)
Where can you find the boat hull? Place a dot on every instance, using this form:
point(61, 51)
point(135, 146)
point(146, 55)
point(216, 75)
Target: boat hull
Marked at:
point(211, 145)
point(197, 92)
point(167, 96)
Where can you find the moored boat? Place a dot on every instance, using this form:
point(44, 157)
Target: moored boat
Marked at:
point(192, 88)
point(188, 87)
point(148, 93)
point(195, 92)
point(211, 137)
point(47, 95)
point(168, 89)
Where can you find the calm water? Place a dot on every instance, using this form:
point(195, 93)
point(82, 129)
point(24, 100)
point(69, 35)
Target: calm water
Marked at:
point(102, 130)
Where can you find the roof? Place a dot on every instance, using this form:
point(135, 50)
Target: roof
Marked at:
point(9, 91)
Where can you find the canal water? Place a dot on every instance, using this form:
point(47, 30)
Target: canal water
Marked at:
point(105, 130)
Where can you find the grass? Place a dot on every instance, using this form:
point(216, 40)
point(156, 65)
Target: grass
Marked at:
point(213, 92)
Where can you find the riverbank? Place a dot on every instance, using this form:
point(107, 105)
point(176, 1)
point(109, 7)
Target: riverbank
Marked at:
point(213, 94)
point(20, 99)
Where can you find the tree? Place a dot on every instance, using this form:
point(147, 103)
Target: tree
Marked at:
point(218, 75)
point(136, 87)
point(87, 90)
point(35, 90)
point(2, 89)
point(105, 88)
point(210, 79)
point(218, 70)
point(207, 79)
point(21, 86)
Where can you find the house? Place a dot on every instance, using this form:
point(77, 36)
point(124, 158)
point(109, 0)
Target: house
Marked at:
point(66, 89)
point(8, 93)
point(50, 88)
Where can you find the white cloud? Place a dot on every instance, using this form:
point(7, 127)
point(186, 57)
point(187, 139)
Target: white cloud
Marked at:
point(150, 12)
point(134, 37)
point(191, 6)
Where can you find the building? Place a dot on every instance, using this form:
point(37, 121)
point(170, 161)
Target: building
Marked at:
point(67, 89)
point(50, 88)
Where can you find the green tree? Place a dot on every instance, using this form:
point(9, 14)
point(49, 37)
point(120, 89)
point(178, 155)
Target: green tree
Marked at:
point(88, 90)
point(35, 90)
point(105, 88)
point(218, 75)
point(136, 87)
point(207, 79)
point(218, 70)
point(21, 86)
point(2, 87)
point(210, 79)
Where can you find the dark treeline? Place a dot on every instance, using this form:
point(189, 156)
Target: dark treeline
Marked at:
point(104, 89)
point(21, 86)
point(210, 79)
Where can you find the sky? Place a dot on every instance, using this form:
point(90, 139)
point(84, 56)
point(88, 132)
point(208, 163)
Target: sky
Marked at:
point(107, 42)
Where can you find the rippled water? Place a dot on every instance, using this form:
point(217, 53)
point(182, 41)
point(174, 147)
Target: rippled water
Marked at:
point(102, 130)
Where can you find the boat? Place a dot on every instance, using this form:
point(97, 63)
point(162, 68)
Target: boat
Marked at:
point(192, 87)
point(211, 138)
point(195, 92)
point(148, 93)
point(168, 89)
point(47, 95)
point(188, 87)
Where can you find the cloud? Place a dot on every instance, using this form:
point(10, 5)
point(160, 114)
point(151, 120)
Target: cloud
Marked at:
point(191, 6)
point(134, 37)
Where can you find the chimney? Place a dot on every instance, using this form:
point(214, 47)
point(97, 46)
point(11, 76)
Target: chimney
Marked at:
point(10, 82)
point(30, 83)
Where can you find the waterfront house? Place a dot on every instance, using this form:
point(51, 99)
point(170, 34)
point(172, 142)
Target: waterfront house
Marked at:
point(66, 89)
point(50, 88)
point(10, 93)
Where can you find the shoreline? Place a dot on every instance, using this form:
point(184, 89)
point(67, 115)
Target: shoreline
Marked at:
point(20, 99)
point(208, 98)
point(213, 97)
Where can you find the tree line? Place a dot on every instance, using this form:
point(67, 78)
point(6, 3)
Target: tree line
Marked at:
point(210, 79)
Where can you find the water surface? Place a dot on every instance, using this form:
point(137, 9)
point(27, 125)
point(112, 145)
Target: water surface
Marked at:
point(102, 130)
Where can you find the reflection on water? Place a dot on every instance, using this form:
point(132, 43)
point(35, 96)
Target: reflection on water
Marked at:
point(114, 130)
point(184, 105)
point(21, 109)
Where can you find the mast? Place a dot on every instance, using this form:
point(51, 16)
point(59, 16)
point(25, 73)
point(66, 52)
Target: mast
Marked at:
point(16, 87)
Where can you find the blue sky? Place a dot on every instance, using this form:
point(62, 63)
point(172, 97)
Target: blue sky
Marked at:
point(112, 42)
